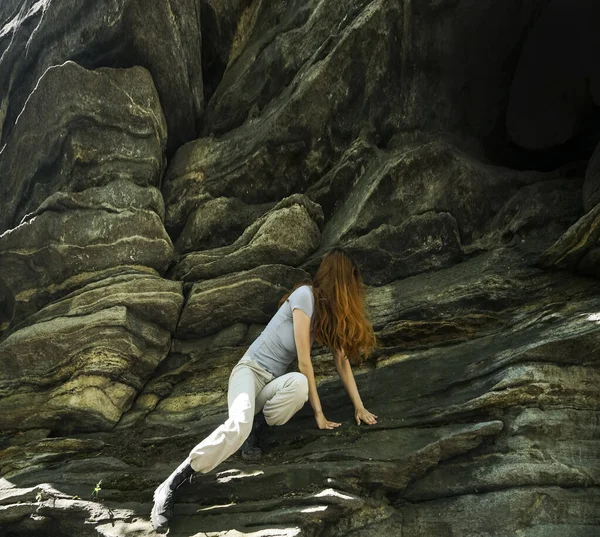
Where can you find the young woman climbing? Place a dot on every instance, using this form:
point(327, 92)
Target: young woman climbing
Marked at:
point(329, 309)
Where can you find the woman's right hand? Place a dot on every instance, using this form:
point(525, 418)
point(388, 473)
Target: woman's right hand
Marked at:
point(324, 423)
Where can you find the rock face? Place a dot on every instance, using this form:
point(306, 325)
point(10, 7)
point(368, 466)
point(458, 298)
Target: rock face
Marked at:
point(169, 170)
point(164, 37)
point(83, 358)
point(288, 233)
point(579, 248)
point(81, 129)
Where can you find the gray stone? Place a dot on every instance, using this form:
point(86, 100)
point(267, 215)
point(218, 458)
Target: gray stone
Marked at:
point(225, 27)
point(45, 451)
point(422, 242)
point(383, 66)
point(294, 138)
point(294, 95)
point(502, 409)
point(543, 447)
point(114, 197)
point(81, 129)
point(431, 177)
point(86, 398)
point(216, 223)
point(533, 512)
point(389, 118)
point(8, 10)
point(397, 444)
point(77, 247)
point(164, 37)
point(537, 215)
point(578, 249)
point(81, 361)
point(286, 235)
point(332, 189)
point(249, 297)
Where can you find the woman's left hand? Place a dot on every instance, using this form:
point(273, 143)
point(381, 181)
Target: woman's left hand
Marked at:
point(362, 414)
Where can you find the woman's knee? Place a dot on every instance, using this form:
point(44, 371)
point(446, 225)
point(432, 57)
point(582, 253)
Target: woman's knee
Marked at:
point(300, 383)
point(290, 398)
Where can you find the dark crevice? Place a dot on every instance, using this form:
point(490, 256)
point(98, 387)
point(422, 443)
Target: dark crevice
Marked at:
point(213, 65)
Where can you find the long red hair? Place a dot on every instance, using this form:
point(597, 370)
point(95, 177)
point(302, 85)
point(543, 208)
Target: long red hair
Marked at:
point(339, 320)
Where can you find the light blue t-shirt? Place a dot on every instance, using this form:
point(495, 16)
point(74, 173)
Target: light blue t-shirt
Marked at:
point(275, 348)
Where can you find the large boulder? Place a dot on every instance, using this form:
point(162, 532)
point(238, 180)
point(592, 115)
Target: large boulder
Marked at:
point(81, 129)
point(495, 420)
point(423, 242)
point(425, 206)
point(292, 139)
point(285, 235)
point(163, 36)
point(537, 214)
point(248, 297)
point(432, 65)
point(77, 364)
point(217, 222)
point(578, 249)
point(83, 237)
point(401, 211)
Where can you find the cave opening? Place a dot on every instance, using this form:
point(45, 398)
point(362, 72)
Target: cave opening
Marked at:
point(552, 116)
point(571, 157)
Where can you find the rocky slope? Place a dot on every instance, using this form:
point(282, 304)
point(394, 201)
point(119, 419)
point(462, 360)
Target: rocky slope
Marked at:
point(169, 169)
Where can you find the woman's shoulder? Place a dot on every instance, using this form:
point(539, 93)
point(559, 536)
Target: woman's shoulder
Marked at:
point(302, 297)
point(303, 290)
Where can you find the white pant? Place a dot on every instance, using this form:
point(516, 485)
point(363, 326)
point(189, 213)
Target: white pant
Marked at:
point(251, 389)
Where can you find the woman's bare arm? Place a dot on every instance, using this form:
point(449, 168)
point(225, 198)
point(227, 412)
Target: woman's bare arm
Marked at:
point(344, 369)
point(302, 339)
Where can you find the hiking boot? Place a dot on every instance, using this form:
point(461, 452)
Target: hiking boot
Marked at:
point(164, 496)
point(252, 447)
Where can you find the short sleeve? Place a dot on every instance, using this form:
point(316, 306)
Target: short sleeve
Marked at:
point(302, 298)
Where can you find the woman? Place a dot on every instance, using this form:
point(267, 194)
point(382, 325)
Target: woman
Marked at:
point(330, 310)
